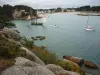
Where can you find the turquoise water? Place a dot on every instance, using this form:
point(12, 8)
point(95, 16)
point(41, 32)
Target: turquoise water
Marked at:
point(69, 38)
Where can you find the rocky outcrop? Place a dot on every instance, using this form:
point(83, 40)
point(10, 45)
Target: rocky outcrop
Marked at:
point(26, 67)
point(11, 34)
point(32, 56)
point(90, 64)
point(57, 70)
point(32, 65)
point(26, 70)
point(70, 66)
point(20, 61)
point(64, 72)
point(54, 68)
point(87, 74)
point(81, 61)
point(76, 60)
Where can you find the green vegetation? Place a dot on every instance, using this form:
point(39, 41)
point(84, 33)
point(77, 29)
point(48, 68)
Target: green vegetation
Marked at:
point(10, 49)
point(7, 24)
point(27, 42)
point(26, 8)
point(89, 8)
point(41, 52)
point(4, 18)
point(6, 14)
point(46, 56)
point(70, 66)
point(59, 9)
point(50, 58)
point(7, 10)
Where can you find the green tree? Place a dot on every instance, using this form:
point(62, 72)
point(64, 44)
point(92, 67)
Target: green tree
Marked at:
point(59, 9)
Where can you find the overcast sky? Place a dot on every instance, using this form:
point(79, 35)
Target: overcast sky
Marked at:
point(51, 3)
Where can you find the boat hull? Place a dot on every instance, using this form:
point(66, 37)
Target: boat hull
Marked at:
point(36, 23)
point(89, 29)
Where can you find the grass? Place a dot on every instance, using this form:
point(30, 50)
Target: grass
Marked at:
point(46, 56)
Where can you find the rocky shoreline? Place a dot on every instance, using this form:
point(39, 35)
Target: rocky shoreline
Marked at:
point(81, 61)
point(27, 63)
point(88, 14)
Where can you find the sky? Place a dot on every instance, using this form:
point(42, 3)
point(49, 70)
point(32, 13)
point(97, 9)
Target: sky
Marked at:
point(51, 3)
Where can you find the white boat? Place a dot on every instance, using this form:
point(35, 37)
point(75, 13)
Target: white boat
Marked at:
point(88, 27)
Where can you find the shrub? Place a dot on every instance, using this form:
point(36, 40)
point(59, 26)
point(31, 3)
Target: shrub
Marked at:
point(27, 42)
point(4, 17)
point(7, 23)
point(10, 49)
point(46, 56)
point(70, 66)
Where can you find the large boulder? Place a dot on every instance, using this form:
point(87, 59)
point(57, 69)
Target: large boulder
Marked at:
point(24, 66)
point(57, 70)
point(88, 74)
point(54, 68)
point(70, 66)
point(90, 64)
point(9, 33)
point(64, 72)
point(27, 70)
point(21, 61)
point(32, 56)
point(76, 60)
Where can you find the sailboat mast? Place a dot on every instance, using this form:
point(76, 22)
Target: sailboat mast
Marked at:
point(37, 12)
point(88, 20)
point(31, 13)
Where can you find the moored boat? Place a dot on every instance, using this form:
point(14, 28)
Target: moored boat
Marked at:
point(36, 23)
point(89, 28)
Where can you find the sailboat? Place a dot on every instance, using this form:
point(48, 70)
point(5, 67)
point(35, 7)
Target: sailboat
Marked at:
point(36, 21)
point(88, 27)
